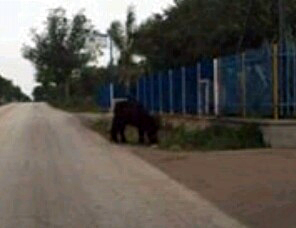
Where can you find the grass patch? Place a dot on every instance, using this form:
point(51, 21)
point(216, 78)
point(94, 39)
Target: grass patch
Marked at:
point(77, 107)
point(103, 126)
point(212, 138)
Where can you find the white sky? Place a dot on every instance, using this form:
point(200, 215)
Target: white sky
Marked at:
point(17, 17)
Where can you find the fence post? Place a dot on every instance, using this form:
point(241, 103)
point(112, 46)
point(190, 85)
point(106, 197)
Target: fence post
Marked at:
point(152, 92)
point(216, 86)
point(138, 90)
point(198, 75)
point(243, 84)
point(207, 98)
point(287, 89)
point(275, 82)
point(144, 92)
point(171, 91)
point(111, 97)
point(184, 90)
point(280, 57)
point(160, 92)
point(294, 85)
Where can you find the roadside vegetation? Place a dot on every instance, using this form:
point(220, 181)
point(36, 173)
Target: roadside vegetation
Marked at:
point(65, 55)
point(76, 106)
point(10, 93)
point(66, 52)
point(210, 139)
point(191, 30)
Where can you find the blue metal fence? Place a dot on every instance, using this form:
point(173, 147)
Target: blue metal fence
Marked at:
point(245, 86)
point(230, 86)
point(180, 91)
point(287, 79)
point(109, 91)
point(103, 98)
point(258, 82)
point(246, 83)
point(191, 93)
point(177, 90)
point(165, 92)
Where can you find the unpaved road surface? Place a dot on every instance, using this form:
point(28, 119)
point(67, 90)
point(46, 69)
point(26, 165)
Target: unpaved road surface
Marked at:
point(56, 173)
point(257, 187)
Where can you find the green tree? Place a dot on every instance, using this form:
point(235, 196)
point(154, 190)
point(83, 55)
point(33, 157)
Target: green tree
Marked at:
point(39, 93)
point(194, 29)
point(62, 48)
point(86, 84)
point(123, 37)
point(9, 92)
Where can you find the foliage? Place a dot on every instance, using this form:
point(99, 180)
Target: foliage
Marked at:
point(39, 94)
point(83, 88)
point(61, 50)
point(123, 38)
point(212, 138)
point(10, 92)
point(194, 29)
point(76, 106)
point(103, 126)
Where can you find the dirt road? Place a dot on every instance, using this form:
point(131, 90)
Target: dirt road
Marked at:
point(56, 173)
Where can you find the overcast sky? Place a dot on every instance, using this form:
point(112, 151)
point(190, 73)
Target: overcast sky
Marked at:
point(17, 17)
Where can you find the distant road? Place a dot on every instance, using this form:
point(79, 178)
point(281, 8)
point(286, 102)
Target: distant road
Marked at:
point(56, 173)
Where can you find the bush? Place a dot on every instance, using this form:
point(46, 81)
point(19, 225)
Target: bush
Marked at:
point(103, 126)
point(75, 105)
point(213, 138)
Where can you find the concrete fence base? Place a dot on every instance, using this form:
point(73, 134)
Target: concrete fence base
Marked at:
point(276, 133)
